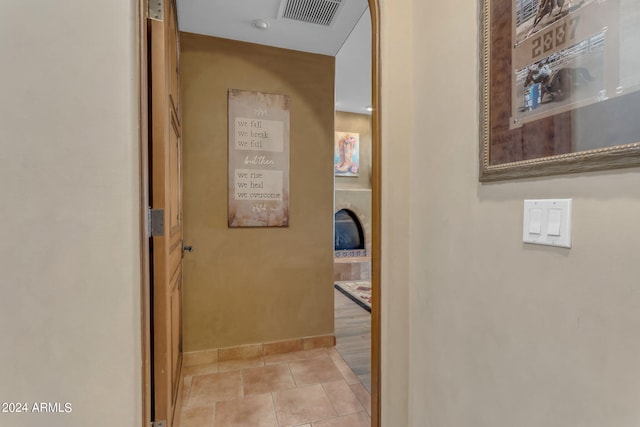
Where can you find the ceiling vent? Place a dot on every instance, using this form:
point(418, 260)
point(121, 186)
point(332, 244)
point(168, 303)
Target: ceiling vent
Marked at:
point(320, 12)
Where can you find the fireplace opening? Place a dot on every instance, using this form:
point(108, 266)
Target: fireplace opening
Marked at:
point(348, 231)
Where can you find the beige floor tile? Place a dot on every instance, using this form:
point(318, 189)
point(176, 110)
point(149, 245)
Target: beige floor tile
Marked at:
point(252, 411)
point(296, 355)
point(302, 405)
point(186, 382)
point(196, 417)
point(365, 379)
point(346, 371)
point(267, 379)
point(314, 371)
point(317, 352)
point(207, 389)
point(207, 368)
point(234, 365)
point(333, 353)
point(342, 397)
point(186, 389)
point(285, 357)
point(363, 396)
point(359, 419)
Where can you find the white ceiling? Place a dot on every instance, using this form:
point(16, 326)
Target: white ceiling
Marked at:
point(348, 38)
point(353, 69)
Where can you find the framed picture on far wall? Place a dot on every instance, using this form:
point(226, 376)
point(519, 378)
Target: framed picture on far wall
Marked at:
point(560, 87)
point(346, 160)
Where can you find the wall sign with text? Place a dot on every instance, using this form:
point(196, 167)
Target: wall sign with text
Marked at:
point(258, 159)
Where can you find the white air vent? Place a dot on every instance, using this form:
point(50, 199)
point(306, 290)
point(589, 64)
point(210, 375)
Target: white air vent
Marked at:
point(321, 12)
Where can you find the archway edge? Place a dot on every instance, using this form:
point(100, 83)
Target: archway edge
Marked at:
point(376, 214)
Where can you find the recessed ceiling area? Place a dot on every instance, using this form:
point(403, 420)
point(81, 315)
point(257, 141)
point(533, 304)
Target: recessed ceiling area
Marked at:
point(343, 30)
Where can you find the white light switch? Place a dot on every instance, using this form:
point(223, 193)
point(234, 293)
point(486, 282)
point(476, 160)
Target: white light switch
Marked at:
point(547, 222)
point(535, 221)
point(555, 216)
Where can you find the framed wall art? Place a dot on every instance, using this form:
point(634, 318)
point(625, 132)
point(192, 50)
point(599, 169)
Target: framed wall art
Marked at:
point(559, 87)
point(258, 159)
point(346, 159)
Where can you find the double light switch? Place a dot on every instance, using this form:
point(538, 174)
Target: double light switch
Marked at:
point(547, 222)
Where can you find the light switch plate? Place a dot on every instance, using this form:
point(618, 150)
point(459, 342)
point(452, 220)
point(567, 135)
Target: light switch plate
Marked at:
point(547, 222)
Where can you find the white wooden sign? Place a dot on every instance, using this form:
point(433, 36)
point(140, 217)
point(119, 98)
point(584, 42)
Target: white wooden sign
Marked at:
point(258, 159)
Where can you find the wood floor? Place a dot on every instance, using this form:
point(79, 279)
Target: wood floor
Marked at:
point(353, 336)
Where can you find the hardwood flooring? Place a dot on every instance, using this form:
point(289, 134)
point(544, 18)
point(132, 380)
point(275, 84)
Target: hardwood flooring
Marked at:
point(353, 336)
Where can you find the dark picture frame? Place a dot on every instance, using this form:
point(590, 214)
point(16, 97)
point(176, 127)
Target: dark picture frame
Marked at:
point(583, 114)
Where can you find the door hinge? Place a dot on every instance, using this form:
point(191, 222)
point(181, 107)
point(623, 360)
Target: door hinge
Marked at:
point(161, 423)
point(155, 218)
point(154, 9)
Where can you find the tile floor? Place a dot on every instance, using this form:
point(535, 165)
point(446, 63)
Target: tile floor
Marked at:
point(312, 388)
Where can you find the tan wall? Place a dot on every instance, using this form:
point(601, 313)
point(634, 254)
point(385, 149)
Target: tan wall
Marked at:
point(501, 333)
point(69, 184)
point(263, 284)
point(396, 109)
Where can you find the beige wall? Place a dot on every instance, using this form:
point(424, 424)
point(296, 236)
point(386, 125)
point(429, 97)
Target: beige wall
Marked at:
point(254, 285)
point(501, 333)
point(69, 245)
point(396, 110)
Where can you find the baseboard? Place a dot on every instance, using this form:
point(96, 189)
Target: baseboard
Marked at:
point(251, 351)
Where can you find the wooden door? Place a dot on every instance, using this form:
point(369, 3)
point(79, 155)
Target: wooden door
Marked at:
point(166, 203)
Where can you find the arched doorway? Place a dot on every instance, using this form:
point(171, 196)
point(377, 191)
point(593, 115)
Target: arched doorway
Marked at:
point(376, 213)
point(374, 10)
